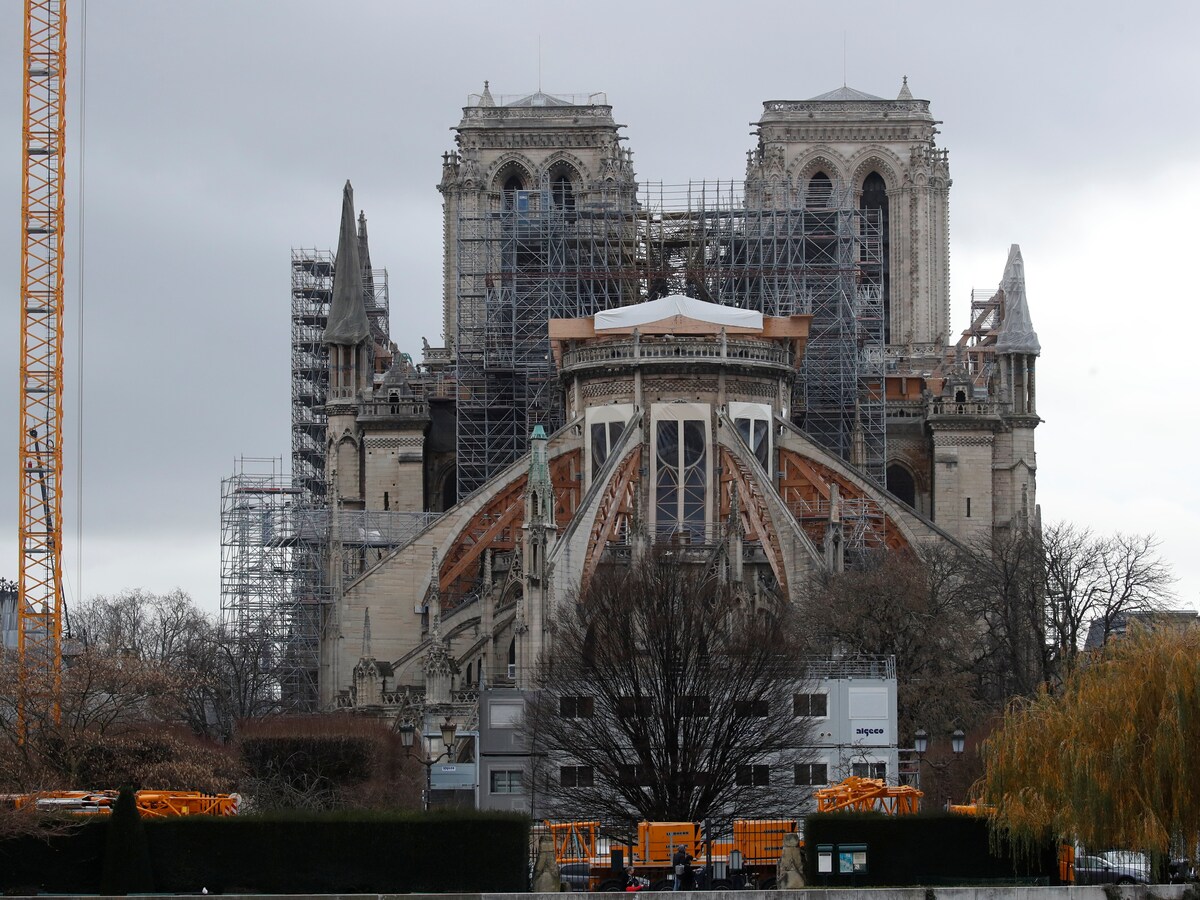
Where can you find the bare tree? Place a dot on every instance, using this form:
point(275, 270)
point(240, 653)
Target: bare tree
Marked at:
point(667, 695)
point(1004, 588)
point(104, 719)
point(221, 678)
point(1101, 580)
point(908, 605)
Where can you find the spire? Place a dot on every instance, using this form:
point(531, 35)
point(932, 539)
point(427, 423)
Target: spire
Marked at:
point(364, 248)
point(485, 99)
point(366, 643)
point(1016, 334)
point(347, 315)
point(539, 490)
point(905, 93)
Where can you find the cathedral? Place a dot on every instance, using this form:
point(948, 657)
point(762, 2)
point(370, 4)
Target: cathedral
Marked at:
point(761, 375)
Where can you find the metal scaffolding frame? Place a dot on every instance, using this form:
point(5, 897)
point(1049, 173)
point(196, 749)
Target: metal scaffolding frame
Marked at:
point(278, 556)
point(312, 291)
point(258, 615)
point(275, 569)
point(523, 258)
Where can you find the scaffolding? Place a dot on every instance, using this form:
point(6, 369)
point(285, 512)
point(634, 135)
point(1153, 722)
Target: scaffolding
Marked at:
point(277, 558)
point(524, 257)
point(259, 617)
point(312, 291)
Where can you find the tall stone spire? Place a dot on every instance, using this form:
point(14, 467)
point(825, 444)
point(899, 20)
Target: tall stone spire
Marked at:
point(348, 323)
point(1016, 334)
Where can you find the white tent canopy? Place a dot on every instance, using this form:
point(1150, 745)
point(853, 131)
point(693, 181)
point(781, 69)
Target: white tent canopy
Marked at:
point(677, 305)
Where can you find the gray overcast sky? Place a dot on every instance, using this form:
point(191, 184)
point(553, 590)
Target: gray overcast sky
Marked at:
point(219, 133)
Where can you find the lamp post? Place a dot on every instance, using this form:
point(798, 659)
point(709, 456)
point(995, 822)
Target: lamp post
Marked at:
point(407, 737)
point(958, 742)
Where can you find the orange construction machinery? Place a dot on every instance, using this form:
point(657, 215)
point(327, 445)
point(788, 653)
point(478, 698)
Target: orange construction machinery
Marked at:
point(151, 804)
point(40, 455)
point(856, 794)
point(744, 855)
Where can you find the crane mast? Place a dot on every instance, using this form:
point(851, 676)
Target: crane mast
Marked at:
point(39, 585)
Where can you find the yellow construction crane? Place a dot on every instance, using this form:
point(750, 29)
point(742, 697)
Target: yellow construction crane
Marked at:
point(39, 584)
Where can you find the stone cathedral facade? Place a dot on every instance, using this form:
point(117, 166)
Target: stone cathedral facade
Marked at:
point(605, 397)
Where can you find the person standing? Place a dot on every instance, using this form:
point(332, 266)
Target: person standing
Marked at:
point(681, 860)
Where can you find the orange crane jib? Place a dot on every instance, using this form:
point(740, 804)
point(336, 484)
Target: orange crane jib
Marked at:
point(856, 794)
point(40, 455)
point(151, 804)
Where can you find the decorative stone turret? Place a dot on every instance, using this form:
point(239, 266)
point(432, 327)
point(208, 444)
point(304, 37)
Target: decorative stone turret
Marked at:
point(538, 535)
point(347, 336)
point(1017, 350)
point(437, 666)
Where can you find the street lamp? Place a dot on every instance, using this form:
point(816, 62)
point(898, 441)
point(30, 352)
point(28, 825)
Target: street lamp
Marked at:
point(407, 736)
point(958, 742)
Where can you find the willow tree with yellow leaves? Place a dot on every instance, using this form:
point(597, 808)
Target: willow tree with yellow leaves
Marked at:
point(1111, 759)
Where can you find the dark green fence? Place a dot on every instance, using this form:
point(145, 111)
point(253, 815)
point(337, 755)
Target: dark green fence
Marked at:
point(871, 849)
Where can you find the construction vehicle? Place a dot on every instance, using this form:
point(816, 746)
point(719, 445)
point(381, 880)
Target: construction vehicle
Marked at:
point(151, 804)
point(745, 856)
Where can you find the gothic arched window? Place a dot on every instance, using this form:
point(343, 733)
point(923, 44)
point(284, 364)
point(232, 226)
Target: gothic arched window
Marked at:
point(901, 483)
point(874, 197)
point(819, 191)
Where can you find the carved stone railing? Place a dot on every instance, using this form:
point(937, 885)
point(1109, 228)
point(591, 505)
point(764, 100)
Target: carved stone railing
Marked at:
point(599, 111)
point(739, 352)
point(966, 408)
point(408, 408)
point(813, 106)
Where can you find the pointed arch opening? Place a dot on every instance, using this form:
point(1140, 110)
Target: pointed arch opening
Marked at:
point(564, 181)
point(818, 193)
point(902, 484)
point(874, 198)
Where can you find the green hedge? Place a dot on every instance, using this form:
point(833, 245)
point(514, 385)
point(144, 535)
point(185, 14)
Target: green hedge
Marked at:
point(925, 849)
point(70, 863)
point(279, 854)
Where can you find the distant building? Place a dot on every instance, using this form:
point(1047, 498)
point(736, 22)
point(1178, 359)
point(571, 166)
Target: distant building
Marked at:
point(8, 614)
point(1102, 630)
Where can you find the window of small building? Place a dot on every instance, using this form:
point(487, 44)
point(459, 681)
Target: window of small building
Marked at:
point(751, 709)
point(696, 707)
point(631, 707)
point(809, 774)
point(576, 776)
point(576, 707)
point(869, 770)
point(505, 781)
point(814, 706)
point(633, 774)
point(753, 776)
